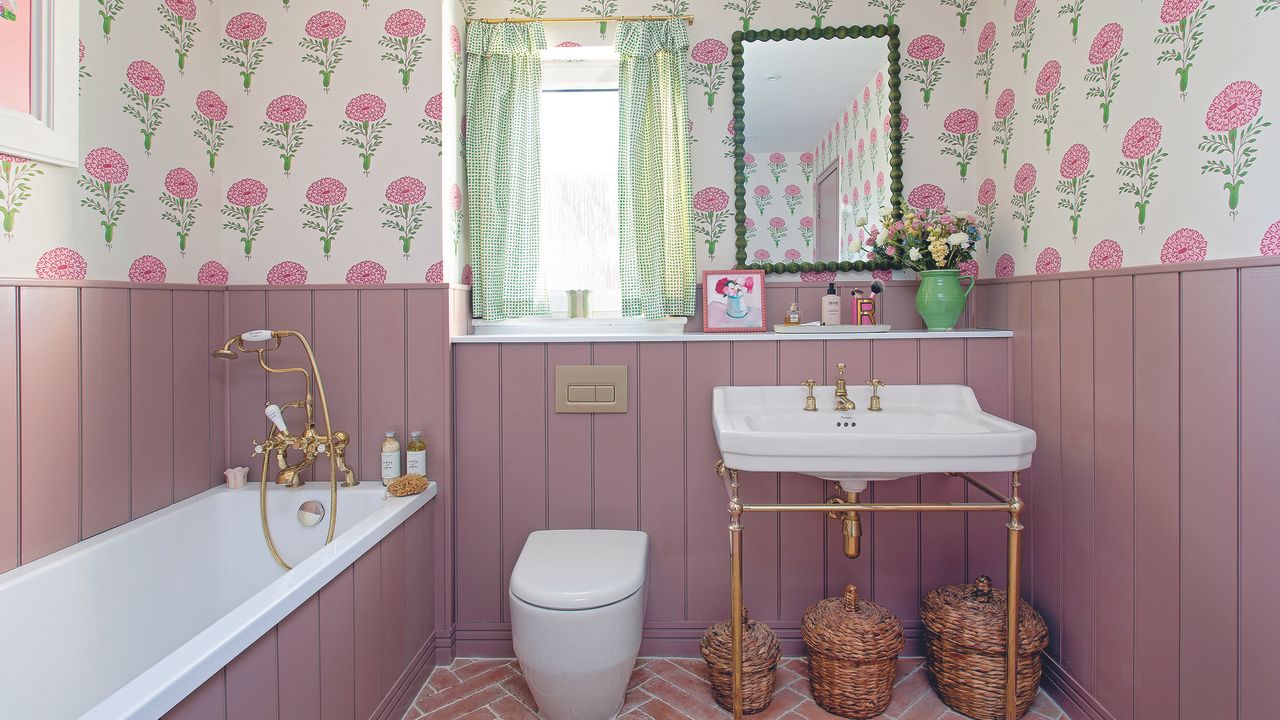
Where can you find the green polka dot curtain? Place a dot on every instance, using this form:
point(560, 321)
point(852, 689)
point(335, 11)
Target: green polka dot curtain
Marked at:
point(655, 189)
point(504, 193)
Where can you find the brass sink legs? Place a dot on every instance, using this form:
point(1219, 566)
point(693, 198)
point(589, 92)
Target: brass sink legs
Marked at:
point(847, 511)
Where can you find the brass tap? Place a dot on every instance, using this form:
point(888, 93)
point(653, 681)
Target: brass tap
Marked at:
point(875, 395)
point(810, 403)
point(843, 403)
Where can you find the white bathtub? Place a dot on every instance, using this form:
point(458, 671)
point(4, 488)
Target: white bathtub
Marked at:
point(128, 623)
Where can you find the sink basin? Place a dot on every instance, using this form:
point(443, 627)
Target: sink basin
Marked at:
point(922, 429)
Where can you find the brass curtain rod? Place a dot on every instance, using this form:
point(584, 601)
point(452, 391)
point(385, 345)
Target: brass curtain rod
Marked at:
point(585, 19)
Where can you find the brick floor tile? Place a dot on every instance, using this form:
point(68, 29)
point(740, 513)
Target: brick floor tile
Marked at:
point(509, 708)
point(442, 678)
point(694, 666)
point(460, 707)
point(634, 714)
point(1045, 705)
point(484, 682)
point(697, 707)
point(907, 693)
point(783, 701)
point(483, 713)
point(635, 697)
point(659, 710)
point(519, 689)
point(785, 677)
point(928, 707)
point(810, 711)
point(639, 675)
point(688, 682)
point(476, 667)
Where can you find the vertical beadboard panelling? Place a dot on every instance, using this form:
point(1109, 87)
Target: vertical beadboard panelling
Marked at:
point(50, 401)
point(338, 353)
point(662, 476)
point(616, 493)
point(569, 501)
point(756, 363)
point(382, 332)
point(1018, 315)
point(419, 558)
point(217, 388)
point(841, 571)
point(151, 405)
point(707, 364)
point(1046, 373)
point(1259, 491)
point(801, 536)
point(191, 398)
point(105, 447)
point(895, 543)
point(1077, 479)
point(987, 372)
point(942, 535)
point(338, 648)
point(523, 453)
point(368, 631)
point(246, 383)
point(9, 425)
point(291, 310)
point(1113, 494)
point(1210, 492)
point(477, 415)
point(989, 306)
point(208, 702)
point(1156, 411)
point(252, 687)
point(395, 639)
point(298, 647)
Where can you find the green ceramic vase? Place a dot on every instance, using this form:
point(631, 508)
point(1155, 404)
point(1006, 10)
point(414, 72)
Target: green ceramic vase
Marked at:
point(941, 299)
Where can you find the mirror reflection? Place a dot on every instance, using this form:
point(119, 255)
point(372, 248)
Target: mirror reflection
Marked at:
point(817, 147)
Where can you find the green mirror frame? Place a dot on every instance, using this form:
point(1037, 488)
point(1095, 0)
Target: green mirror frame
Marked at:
point(740, 150)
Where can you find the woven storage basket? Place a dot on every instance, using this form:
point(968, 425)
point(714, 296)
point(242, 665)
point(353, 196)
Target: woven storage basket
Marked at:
point(760, 652)
point(965, 642)
point(853, 653)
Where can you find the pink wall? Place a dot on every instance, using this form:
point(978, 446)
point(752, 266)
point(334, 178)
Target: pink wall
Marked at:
point(1153, 393)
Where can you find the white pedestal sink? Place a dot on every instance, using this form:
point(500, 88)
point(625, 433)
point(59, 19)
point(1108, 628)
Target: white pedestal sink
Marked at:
point(922, 429)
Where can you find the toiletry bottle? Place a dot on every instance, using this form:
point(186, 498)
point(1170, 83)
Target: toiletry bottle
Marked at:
point(831, 306)
point(390, 458)
point(416, 455)
point(793, 315)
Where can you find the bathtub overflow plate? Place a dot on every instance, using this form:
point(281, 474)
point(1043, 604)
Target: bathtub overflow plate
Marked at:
point(310, 513)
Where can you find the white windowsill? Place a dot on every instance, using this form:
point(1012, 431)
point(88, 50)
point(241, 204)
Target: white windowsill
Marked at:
point(577, 327)
point(621, 335)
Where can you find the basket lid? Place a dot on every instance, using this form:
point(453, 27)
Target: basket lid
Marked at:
point(974, 616)
point(853, 628)
point(761, 647)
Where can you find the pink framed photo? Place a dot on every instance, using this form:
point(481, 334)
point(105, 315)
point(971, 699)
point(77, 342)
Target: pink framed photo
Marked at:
point(733, 301)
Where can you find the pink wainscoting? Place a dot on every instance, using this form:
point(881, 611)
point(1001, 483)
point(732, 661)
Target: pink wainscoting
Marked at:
point(522, 467)
point(351, 652)
point(1154, 395)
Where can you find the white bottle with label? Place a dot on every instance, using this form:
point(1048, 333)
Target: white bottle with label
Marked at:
point(390, 458)
point(416, 455)
point(831, 306)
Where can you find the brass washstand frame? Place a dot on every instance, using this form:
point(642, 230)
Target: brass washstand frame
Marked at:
point(847, 510)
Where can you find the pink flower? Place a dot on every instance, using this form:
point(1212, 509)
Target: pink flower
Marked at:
point(1075, 162)
point(866, 94)
point(145, 78)
point(711, 199)
point(106, 165)
point(181, 183)
point(749, 159)
point(246, 26)
point(1004, 104)
point(287, 109)
point(792, 255)
point(1176, 10)
point(1023, 10)
point(13, 159)
point(761, 191)
point(1106, 255)
point(211, 105)
point(961, 122)
point(147, 269)
point(882, 275)
point(806, 222)
point(435, 273)
point(987, 192)
point(792, 191)
point(880, 180)
point(327, 192)
point(969, 267)
point(862, 148)
point(569, 44)
point(435, 107)
point(81, 51)
point(366, 272)
point(849, 158)
point(455, 198)
point(1185, 245)
point(61, 263)
point(455, 40)
point(1004, 266)
point(926, 47)
point(709, 52)
point(1271, 241)
point(1050, 76)
point(212, 273)
point(406, 191)
point(806, 158)
point(927, 197)
point(1106, 43)
point(466, 274)
point(762, 255)
point(185, 9)
point(778, 223)
point(751, 224)
point(817, 277)
point(1048, 262)
point(1235, 107)
point(247, 193)
point(366, 107)
point(866, 189)
point(987, 37)
point(326, 25)
point(777, 158)
point(287, 273)
point(854, 194)
point(1025, 181)
point(405, 24)
point(875, 138)
point(879, 81)
point(1142, 139)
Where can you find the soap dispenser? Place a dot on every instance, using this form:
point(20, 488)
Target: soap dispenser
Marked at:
point(831, 306)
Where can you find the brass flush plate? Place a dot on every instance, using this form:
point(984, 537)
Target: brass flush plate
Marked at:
point(591, 388)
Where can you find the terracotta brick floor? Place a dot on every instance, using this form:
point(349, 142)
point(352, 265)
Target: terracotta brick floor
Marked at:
point(668, 689)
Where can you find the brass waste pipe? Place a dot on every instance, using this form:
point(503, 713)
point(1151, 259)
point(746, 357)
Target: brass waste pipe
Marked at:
point(850, 522)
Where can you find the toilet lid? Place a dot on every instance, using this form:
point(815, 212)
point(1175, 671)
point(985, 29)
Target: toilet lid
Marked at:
point(580, 569)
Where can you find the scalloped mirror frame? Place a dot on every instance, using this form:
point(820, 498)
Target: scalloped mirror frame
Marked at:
point(740, 150)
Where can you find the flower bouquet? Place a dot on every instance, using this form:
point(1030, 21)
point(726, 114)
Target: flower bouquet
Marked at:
point(936, 244)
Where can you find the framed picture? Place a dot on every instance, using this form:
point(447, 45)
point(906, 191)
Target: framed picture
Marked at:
point(39, 80)
point(733, 301)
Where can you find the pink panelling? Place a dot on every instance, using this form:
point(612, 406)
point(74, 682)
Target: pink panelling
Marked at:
point(895, 542)
point(290, 310)
point(1077, 503)
point(942, 560)
point(523, 452)
point(9, 424)
point(217, 389)
point(707, 364)
point(757, 364)
point(615, 461)
point(1048, 485)
point(368, 632)
point(246, 382)
point(336, 343)
point(105, 402)
point(298, 647)
point(568, 468)
point(252, 688)
point(151, 344)
point(841, 571)
point(394, 612)
point(662, 514)
point(801, 539)
point(209, 702)
point(338, 648)
point(987, 372)
point(191, 361)
point(382, 373)
point(478, 468)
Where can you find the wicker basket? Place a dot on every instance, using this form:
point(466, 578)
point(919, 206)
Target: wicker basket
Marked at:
point(965, 642)
point(853, 653)
point(761, 650)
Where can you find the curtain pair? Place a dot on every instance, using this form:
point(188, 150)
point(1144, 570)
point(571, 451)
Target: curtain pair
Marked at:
point(504, 84)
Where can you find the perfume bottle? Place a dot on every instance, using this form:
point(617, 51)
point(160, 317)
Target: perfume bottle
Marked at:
point(793, 315)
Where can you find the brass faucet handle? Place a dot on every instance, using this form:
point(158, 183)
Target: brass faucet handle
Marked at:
point(875, 395)
point(810, 402)
point(841, 367)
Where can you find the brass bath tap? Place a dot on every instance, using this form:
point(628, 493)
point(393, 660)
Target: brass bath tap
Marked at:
point(843, 403)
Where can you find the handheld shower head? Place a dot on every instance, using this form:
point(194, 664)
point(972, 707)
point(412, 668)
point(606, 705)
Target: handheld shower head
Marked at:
point(226, 353)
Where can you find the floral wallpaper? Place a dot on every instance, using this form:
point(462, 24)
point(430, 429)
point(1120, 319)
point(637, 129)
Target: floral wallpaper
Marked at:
point(780, 210)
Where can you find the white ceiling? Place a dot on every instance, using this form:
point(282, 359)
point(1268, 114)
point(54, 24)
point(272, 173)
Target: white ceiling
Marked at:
point(817, 80)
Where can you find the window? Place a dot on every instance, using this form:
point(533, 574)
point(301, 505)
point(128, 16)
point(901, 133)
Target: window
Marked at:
point(580, 177)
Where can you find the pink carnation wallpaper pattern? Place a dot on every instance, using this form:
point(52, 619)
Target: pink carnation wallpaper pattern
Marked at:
point(237, 141)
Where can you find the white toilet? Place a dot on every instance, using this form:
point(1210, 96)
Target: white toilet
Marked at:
point(577, 611)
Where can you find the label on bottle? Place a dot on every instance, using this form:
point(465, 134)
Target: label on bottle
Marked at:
point(390, 466)
point(416, 462)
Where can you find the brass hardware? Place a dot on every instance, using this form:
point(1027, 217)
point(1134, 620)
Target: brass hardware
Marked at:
point(875, 395)
point(591, 19)
point(843, 403)
point(811, 402)
point(851, 522)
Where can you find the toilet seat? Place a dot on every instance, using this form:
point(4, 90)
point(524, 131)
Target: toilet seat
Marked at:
point(580, 569)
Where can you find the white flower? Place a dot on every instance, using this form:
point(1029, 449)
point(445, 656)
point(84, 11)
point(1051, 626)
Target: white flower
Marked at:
point(886, 211)
point(914, 254)
point(961, 214)
point(881, 239)
point(957, 239)
point(862, 221)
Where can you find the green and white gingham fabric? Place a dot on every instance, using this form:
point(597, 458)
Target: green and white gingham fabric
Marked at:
point(504, 193)
point(655, 187)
